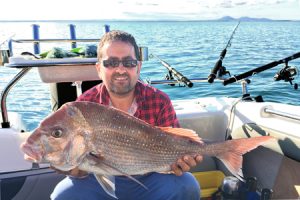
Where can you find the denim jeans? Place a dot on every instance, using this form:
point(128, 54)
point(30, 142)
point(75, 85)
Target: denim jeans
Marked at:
point(159, 187)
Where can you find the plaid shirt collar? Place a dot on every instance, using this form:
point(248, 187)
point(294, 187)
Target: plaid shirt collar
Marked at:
point(139, 94)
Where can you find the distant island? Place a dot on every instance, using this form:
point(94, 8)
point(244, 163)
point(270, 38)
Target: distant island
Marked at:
point(247, 19)
point(222, 19)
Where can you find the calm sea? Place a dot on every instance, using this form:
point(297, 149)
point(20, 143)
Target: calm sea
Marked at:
point(190, 47)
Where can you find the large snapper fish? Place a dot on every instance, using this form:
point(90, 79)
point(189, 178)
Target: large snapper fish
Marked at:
point(109, 142)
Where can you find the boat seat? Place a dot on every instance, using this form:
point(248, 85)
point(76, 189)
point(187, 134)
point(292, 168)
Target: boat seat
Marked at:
point(64, 92)
point(62, 78)
point(208, 125)
point(276, 164)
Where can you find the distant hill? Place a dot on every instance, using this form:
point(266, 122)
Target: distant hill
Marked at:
point(246, 19)
point(222, 19)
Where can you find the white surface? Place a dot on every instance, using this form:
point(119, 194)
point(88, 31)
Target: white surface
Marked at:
point(69, 73)
point(29, 60)
point(11, 156)
point(253, 112)
point(216, 113)
point(205, 116)
point(15, 121)
point(69, 69)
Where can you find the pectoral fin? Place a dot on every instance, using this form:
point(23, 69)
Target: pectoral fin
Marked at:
point(125, 174)
point(108, 184)
point(64, 168)
point(99, 161)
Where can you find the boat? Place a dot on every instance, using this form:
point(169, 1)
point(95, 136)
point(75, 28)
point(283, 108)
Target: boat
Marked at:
point(271, 171)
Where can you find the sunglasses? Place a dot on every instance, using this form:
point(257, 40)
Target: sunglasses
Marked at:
point(114, 63)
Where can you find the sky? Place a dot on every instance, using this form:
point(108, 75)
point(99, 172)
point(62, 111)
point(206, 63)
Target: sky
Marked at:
point(148, 9)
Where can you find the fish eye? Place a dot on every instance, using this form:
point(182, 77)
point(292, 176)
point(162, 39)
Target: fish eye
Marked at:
point(57, 133)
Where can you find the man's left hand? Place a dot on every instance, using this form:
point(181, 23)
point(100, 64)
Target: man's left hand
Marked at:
point(185, 163)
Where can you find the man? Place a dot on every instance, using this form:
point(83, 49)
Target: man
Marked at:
point(119, 68)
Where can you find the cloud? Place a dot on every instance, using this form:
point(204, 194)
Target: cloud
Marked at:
point(153, 16)
point(147, 4)
point(234, 3)
point(154, 9)
point(227, 4)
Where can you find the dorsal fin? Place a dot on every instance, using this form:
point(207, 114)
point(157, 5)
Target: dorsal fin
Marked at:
point(182, 132)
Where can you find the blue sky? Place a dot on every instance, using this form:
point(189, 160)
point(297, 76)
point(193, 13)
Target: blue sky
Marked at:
point(147, 9)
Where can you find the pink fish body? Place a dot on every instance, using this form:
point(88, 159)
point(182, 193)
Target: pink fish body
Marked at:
point(108, 142)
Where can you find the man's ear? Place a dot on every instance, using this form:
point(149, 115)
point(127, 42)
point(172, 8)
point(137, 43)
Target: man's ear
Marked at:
point(98, 65)
point(98, 68)
point(139, 67)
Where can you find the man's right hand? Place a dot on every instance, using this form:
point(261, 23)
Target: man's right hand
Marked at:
point(75, 173)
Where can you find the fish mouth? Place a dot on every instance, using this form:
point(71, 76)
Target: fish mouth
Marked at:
point(31, 152)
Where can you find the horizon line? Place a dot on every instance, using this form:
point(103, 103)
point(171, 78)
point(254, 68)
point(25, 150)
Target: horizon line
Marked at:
point(151, 20)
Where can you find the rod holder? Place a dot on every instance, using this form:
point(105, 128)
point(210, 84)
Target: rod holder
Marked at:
point(106, 28)
point(73, 35)
point(4, 55)
point(36, 36)
point(143, 53)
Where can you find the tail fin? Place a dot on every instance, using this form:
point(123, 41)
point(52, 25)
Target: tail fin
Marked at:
point(234, 149)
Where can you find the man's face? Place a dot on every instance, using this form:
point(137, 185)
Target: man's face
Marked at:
point(119, 80)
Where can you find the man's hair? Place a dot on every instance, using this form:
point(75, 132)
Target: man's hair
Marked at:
point(117, 35)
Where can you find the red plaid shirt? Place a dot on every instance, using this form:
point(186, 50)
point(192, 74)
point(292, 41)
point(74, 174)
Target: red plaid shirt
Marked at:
point(154, 106)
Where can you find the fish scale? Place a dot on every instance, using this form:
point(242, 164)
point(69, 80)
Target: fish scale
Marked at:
point(136, 152)
point(140, 152)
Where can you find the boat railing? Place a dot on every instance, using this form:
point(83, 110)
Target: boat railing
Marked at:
point(281, 113)
point(5, 123)
point(52, 40)
point(36, 39)
point(26, 66)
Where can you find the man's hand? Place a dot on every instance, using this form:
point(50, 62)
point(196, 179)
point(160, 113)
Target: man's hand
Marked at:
point(185, 163)
point(75, 173)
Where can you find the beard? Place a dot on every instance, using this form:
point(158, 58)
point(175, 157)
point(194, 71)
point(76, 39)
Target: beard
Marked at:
point(121, 84)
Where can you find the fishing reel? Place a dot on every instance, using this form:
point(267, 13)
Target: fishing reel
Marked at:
point(222, 71)
point(169, 76)
point(287, 74)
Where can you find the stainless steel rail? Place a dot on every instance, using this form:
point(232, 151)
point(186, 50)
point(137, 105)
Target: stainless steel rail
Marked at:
point(27, 66)
point(5, 123)
point(194, 80)
point(282, 114)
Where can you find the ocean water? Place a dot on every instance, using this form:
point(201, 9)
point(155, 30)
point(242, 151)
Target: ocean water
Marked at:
point(190, 47)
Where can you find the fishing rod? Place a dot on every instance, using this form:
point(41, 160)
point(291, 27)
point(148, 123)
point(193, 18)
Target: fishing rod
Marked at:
point(285, 74)
point(6, 40)
point(218, 66)
point(172, 71)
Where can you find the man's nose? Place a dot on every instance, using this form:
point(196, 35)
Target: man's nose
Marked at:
point(121, 68)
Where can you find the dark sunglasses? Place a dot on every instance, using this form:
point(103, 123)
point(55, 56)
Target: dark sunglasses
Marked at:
point(114, 63)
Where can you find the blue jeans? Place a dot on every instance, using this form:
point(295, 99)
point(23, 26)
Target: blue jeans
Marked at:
point(160, 186)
